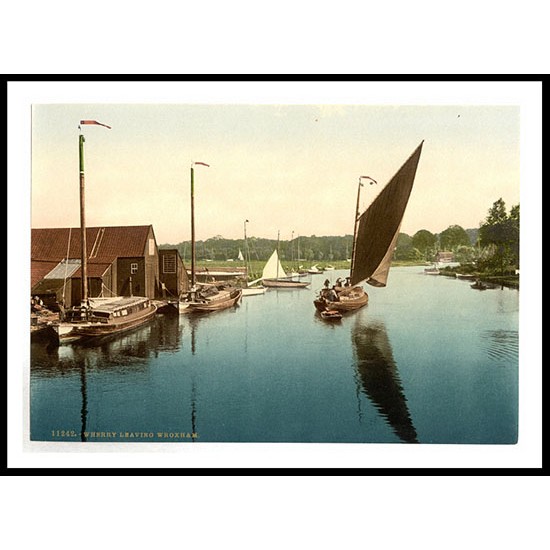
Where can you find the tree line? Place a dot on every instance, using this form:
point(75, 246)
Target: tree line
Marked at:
point(493, 246)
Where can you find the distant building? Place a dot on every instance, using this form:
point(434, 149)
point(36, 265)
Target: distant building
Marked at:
point(444, 257)
point(122, 261)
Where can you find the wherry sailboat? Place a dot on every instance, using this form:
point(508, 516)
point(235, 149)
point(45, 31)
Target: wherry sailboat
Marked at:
point(98, 317)
point(205, 297)
point(274, 276)
point(374, 240)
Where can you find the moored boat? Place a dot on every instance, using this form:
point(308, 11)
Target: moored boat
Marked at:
point(101, 317)
point(98, 317)
point(466, 276)
point(284, 283)
point(433, 270)
point(204, 297)
point(213, 298)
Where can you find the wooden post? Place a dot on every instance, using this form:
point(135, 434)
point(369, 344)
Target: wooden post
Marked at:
point(83, 251)
point(192, 228)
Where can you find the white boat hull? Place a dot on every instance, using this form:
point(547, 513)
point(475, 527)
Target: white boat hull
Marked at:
point(253, 291)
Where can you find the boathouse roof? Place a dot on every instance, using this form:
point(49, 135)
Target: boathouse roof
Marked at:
point(49, 246)
point(103, 244)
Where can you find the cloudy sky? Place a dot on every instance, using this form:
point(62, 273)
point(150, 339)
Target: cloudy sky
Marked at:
point(287, 157)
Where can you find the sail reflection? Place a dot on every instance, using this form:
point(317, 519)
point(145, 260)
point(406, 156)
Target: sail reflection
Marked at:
point(379, 378)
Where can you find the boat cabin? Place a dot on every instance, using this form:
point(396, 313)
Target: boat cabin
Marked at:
point(105, 310)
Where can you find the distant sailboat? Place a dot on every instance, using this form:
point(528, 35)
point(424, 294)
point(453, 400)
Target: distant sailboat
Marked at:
point(274, 276)
point(374, 239)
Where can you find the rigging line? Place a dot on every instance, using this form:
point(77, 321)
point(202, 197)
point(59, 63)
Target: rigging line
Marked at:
point(66, 265)
point(107, 288)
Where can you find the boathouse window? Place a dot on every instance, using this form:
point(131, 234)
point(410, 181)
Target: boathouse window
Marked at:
point(133, 268)
point(169, 263)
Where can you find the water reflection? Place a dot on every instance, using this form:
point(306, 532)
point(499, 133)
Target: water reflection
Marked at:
point(379, 378)
point(125, 353)
point(84, 409)
point(114, 352)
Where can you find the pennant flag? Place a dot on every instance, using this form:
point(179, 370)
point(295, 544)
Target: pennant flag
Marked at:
point(203, 164)
point(94, 122)
point(369, 178)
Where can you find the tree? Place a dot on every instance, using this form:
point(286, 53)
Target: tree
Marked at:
point(500, 235)
point(453, 237)
point(424, 242)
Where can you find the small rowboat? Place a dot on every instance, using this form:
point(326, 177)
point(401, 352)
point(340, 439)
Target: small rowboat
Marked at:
point(331, 315)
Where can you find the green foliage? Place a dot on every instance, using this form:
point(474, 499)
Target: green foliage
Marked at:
point(425, 242)
point(453, 237)
point(495, 245)
point(499, 238)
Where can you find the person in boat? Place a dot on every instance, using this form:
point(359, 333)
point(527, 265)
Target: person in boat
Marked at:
point(331, 295)
point(36, 304)
point(339, 282)
point(347, 283)
point(327, 283)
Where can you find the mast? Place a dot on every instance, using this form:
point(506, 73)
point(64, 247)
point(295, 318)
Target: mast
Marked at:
point(246, 252)
point(192, 227)
point(83, 255)
point(278, 261)
point(357, 221)
point(83, 248)
point(193, 220)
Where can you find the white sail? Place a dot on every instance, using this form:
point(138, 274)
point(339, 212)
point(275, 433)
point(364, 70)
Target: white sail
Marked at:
point(240, 256)
point(273, 268)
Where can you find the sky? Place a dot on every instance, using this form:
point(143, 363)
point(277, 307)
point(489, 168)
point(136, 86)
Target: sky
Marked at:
point(286, 158)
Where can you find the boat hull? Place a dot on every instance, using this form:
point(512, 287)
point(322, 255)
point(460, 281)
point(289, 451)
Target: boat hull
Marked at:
point(281, 283)
point(348, 300)
point(216, 303)
point(331, 315)
point(74, 332)
point(251, 291)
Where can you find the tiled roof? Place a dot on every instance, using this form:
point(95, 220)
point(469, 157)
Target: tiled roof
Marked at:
point(39, 269)
point(103, 244)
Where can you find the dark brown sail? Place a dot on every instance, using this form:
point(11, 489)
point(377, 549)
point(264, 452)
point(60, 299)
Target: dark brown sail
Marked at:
point(379, 225)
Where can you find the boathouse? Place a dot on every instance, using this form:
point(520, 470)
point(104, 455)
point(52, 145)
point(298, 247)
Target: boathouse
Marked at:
point(174, 279)
point(122, 261)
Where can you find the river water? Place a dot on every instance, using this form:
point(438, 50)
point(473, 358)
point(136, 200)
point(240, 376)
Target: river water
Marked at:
point(428, 360)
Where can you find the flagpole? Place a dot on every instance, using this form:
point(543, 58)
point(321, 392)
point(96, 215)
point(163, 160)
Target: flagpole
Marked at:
point(193, 221)
point(83, 248)
point(192, 228)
